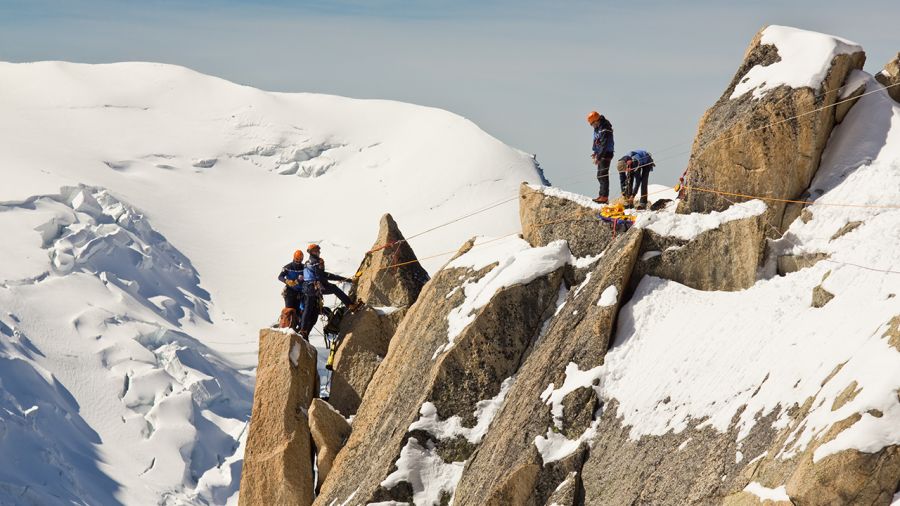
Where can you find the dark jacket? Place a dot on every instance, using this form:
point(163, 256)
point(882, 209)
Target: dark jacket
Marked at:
point(292, 272)
point(604, 143)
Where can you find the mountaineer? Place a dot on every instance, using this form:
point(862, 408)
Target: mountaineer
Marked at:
point(315, 285)
point(634, 171)
point(292, 277)
point(602, 152)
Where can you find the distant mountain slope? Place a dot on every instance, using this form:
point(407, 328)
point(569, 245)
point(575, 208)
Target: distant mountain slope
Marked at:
point(237, 178)
point(145, 211)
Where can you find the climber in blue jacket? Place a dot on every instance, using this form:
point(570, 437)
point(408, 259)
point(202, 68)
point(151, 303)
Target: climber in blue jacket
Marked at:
point(292, 277)
point(602, 152)
point(315, 285)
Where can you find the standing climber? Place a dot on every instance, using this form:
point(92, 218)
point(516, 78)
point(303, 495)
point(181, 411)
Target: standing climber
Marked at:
point(292, 277)
point(315, 285)
point(634, 171)
point(602, 152)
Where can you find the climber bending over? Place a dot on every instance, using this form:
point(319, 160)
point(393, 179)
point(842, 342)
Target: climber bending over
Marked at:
point(634, 171)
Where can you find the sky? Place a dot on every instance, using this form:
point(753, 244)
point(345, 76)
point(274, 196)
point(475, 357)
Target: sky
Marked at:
point(526, 71)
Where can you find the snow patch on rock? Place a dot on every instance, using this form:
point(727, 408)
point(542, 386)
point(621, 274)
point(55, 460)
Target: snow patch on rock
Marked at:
point(555, 446)
point(425, 470)
point(767, 494)
point(516, 262)
point(575, 379)
point(609, 297)
point(805, 59)
point(485, 411)
point(689, 226)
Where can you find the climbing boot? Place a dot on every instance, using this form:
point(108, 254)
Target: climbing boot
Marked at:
point(641, 206)
point(601, 200)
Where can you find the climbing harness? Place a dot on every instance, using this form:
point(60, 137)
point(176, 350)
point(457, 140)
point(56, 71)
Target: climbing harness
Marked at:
point(331, 334)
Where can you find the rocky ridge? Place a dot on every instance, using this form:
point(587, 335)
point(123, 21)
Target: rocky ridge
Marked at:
point(499, 384)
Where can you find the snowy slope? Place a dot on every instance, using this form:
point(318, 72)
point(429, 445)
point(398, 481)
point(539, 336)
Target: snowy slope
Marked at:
point(144, 213)
point(766, 348)
point(238, 178)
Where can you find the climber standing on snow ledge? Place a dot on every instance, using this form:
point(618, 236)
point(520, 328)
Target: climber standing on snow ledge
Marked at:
point(634, 171)
point(292, 277)
point(602, 152)
point(315, 285)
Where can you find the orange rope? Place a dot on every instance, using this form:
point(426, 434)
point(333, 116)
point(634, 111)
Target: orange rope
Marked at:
point(384, 246)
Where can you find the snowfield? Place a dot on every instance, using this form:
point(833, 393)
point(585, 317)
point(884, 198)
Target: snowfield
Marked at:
point(145, 212)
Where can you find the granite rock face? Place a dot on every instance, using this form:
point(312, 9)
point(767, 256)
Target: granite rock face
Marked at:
point(509, 468)
point(547, 217)
point(890, 76)
point(390, 274)
point(389, 280)
point(329, 433)
point(438, 369)
point(723, 258)
point(278, 462)
point(745, 142)
point(364, 340)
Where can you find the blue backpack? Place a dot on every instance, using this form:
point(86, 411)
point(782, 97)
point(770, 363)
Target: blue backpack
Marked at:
point(642, 158)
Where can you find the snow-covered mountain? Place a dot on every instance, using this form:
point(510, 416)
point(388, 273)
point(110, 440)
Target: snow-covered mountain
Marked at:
point(145, 211)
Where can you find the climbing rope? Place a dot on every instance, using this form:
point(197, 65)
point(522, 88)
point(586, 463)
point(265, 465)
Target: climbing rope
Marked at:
point(805, 202)
point(703, 148)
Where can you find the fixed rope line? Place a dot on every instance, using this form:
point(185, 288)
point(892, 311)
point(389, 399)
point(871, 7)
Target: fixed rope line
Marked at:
point(463, 217)
point(886, 271)
point(445, 253)
point(807, 113)
point(568, 217)
point(791, 201)
point(469, 215)
point(702, 149)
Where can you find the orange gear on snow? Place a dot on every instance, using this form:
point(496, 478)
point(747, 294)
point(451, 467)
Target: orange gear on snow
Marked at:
point(616, 212)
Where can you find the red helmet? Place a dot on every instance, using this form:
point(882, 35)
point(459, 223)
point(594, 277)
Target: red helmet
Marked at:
point(311, 247)
point(298, 256)
point(593, 117)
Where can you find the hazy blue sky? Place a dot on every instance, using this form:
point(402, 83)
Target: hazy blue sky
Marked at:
point(526, 71)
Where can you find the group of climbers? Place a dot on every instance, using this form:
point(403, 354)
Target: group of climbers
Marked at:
point(305, 285)
point(634, 168)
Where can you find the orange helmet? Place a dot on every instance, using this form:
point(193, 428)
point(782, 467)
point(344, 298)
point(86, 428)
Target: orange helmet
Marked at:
point(592, 117)
point(312, 246)
point(298, 256)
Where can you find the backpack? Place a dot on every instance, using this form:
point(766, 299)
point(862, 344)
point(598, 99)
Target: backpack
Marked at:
point(288, 318)
point(643, 159)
